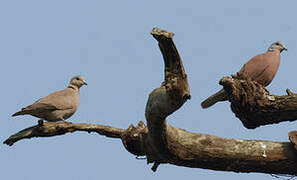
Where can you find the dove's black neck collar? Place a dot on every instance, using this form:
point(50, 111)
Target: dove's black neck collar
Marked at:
point(72, 87)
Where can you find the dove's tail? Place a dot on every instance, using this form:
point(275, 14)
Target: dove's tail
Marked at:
point(217, 97)
point(22, 112)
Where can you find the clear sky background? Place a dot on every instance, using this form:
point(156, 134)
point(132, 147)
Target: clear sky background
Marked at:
point(44, 43)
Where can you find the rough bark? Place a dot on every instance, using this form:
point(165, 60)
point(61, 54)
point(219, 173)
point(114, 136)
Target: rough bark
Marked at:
point(255, 106)
point(49, 129)
point(187, 149)
point(162, 143)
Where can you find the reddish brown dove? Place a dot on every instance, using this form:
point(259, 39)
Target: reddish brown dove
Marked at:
point(261, 68)
point(57, 106)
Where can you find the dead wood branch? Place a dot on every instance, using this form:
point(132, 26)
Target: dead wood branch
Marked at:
point(255, 106)
point(49, 129)
point(162, 143)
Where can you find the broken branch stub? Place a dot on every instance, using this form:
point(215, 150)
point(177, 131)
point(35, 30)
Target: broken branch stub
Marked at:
point(165, 100)
point(253, 104)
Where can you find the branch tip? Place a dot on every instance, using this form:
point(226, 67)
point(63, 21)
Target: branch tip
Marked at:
point(225, 81)
point(48, 129)
point(159, 33)
point(290, 93)
point(293, 138)
point(155, 166)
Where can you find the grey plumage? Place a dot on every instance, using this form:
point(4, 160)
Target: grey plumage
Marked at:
point(57, 106)
point(261, 68)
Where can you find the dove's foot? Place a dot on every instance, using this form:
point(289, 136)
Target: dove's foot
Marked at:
point(40, 122)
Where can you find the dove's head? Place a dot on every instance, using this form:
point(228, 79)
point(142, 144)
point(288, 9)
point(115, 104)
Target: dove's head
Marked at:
point(277, 46)
point(77, 81)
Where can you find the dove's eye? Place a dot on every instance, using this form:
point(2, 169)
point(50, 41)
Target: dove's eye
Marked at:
point(77, 78)
point(277, 43)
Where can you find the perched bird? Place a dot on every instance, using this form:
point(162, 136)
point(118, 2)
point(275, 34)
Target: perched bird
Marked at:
point(57, 106)
point(261, 68)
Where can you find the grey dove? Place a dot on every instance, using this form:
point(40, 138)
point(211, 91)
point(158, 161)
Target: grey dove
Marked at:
point(261, 68)
point(57, 106)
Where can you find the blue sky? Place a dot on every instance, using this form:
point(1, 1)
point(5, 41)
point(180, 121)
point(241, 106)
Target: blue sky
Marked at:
point(44, 43)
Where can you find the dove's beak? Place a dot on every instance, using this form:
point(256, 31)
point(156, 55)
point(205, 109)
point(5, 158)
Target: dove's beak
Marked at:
point(85, 83)
point(283, 49)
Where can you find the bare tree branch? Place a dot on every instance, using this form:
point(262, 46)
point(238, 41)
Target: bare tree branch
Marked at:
point(162, 143)
point(163, 101)
point(188, 149)
point(255, 106)
point(48, 129)
point(197, 150)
